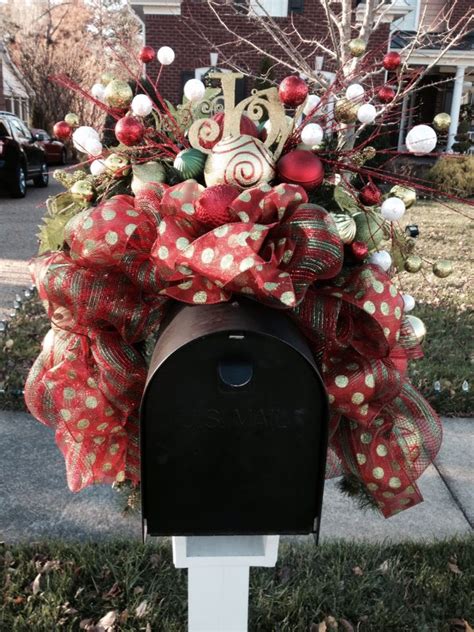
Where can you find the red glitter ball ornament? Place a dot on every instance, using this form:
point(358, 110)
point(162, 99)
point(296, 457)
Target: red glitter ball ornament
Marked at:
point(62, 130)
point(212, 206)
point(129, 130)
point(370, 195)
point(386, 94)
point(391, 61)
point(146, 54)
point(301, 167)
point(293, 91)
point(359, 250)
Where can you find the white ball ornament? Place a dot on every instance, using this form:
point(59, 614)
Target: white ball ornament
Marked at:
point(382, 259)
point(311, 104)
point(165, 55)
point(421, 139)
point(97, 167)
point(98, 91)
point(354, 91)
point(312, 134)
point(408, 302)
point(93, 146)
point(141, 105)
point(393, 209)
point(366, 113)
point(194, 90)
point(82, 134)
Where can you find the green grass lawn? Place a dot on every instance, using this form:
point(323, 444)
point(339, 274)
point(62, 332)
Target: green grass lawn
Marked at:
point(445, 305)
point(350, 587)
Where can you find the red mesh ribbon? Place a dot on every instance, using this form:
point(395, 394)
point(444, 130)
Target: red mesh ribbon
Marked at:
point(125, 260)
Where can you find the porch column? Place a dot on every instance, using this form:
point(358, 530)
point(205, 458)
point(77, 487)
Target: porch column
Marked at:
point(403, 118)
point(455, 105)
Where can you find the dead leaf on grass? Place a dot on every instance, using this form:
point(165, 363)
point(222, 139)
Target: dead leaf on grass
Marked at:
point(113, 592)
point(454, 568)
point(108, 620)
point(346, 625)
point(384, 567)
point(459, 625)
point(357, 570)
point(36, 584)
point(141, 609)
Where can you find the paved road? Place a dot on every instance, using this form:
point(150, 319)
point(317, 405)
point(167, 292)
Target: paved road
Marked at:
point(19, 221)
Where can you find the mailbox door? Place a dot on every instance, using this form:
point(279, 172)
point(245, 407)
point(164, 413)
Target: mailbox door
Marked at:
point(234, 433)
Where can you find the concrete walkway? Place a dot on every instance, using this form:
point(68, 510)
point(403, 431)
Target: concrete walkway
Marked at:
point(35, 502)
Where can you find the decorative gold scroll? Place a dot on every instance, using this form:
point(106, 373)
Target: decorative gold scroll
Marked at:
point(205, 131)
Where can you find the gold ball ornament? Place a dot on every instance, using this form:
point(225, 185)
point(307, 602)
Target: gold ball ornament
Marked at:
point(406, 194)
point(117, 164)
point(83, 189)
point(346, 227)
point(441, 122)
point(72, 119)
point(106, 78)
point(118, 94)
point(357, 47)
point(413, 263)
point(442, 268)
point(345, 111)
point(369, 152)
point(243, 161)
point(418, 326)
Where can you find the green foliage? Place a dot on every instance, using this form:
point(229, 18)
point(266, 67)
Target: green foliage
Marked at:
point(454, 175)
point(61, 208)
point(404, 587)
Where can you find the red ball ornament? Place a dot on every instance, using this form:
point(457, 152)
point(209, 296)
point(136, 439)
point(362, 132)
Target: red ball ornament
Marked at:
point(293, 91)
point(391, 61)
point(147, 54)
point(62, 130)
point(212, 206)
point(301, 167)
point(359, 250)
point(129, 130)
point(370, 195)
point(386, 94)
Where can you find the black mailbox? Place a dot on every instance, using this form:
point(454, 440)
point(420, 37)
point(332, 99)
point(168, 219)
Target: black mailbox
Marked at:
point(233, 425)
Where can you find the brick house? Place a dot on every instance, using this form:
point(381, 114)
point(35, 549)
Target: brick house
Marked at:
point(181, 24)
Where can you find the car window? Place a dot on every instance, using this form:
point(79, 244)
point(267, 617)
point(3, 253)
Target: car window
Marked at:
point(4, 131)
point(19, 129)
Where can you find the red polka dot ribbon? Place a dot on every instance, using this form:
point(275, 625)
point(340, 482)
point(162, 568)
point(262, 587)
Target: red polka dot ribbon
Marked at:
point(124, 262)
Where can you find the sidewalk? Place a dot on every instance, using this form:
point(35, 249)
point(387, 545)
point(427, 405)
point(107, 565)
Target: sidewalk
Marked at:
point(35, 502)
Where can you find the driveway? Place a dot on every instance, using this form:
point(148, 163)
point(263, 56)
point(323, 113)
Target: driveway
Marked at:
point(19, 221)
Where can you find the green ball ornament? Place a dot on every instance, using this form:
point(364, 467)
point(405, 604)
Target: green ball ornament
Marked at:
point(406, 194)
point(441, 122)
point(72, 119)
point(371, 229)
point(118, 94)
point(357, 47)
point(413, 264)
point(418, 326)
point(442, 268)
point(346, 227)
point(190, 163)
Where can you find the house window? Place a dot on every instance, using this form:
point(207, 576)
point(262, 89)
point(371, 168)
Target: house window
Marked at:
point(295, 6)
point(408, 22)
point(275, 8)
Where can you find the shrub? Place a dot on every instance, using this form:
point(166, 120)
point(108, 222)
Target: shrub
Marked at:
point(454, 175)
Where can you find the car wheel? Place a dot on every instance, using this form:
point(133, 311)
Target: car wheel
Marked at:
point(42, 179)
point(63, 157)
point(18, 186)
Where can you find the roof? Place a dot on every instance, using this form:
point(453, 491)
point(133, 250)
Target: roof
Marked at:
point(14, 85)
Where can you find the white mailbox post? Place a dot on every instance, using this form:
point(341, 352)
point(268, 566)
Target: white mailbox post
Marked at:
point(218, 577)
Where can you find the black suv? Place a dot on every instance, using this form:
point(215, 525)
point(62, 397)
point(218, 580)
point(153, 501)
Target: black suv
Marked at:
point(21, 157)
